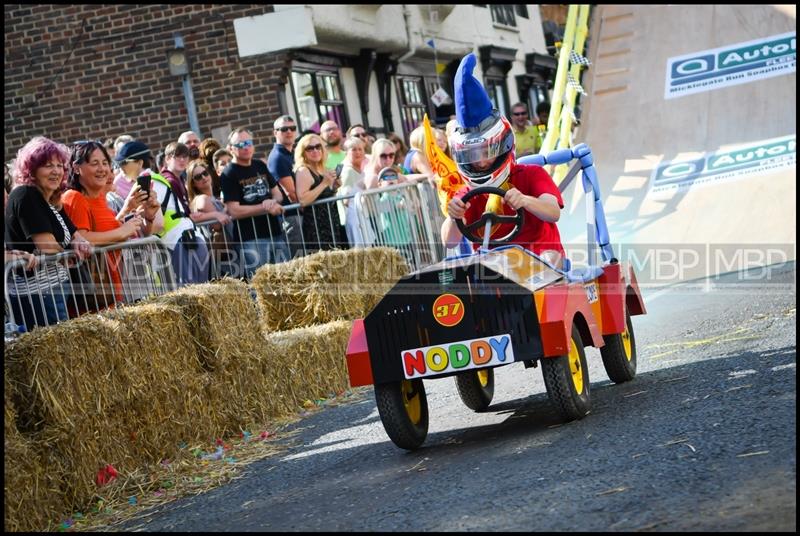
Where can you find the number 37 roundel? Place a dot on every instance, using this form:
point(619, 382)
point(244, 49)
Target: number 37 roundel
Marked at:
point(448, 310)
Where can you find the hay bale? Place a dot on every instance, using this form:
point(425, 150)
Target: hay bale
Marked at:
point(32, 494)
point(33, 498)
point(10, 415)
point(123, 387)
point(223, 320)
point(325, 286)
point(309, 363)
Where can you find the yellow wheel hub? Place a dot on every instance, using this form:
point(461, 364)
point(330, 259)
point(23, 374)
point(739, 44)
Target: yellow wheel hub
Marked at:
point(483, 377)
point(626, 344)
point(575, 368)
point(411, 401)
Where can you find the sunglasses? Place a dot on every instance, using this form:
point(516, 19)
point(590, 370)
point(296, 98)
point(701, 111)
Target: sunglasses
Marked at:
point(520, 113)
point(316, 147)
point(198, 176)
point(388, 155)
point(243, 144)
point(361, 135)
point(287, 129)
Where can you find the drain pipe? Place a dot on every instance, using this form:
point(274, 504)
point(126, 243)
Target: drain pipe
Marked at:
point(412, 49)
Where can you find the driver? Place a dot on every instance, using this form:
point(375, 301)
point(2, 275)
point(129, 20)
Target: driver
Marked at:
point(483, 149)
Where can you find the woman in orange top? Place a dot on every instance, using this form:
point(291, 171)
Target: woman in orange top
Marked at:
point(85, 204)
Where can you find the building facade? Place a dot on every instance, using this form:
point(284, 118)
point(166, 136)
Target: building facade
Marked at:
point(76, 72)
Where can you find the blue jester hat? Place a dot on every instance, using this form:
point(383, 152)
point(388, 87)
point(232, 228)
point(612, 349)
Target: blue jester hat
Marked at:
point(472, 102)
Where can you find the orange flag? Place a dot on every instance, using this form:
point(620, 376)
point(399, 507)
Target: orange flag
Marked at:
point(448, 181)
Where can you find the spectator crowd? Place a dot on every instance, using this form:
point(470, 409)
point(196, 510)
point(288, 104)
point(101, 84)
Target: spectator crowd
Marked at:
point(217, 208)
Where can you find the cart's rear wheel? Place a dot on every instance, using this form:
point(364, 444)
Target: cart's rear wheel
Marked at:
point(476, 388)
point(619, 354)
point(566, 378)
point(403, 408)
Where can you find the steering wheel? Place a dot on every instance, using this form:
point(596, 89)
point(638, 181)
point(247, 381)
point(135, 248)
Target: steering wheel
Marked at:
point(469, 230)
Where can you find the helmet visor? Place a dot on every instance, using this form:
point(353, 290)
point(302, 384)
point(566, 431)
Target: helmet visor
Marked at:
point(478, 154)
point(469, 147)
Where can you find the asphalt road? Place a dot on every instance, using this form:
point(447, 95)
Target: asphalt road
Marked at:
point(703, 439)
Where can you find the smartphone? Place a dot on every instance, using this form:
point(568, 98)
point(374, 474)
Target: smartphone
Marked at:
point(144, 182)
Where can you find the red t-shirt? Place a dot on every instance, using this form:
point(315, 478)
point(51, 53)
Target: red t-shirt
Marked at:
point(536, 235)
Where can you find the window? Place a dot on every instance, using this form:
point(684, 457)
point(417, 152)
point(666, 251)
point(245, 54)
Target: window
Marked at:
point(413, 102)
point(498, 94)
point(537, 94)
point(439, 115)
point(504, 14)
point(318, 98)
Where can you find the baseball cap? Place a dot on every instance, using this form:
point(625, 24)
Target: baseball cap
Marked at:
point(133, 150)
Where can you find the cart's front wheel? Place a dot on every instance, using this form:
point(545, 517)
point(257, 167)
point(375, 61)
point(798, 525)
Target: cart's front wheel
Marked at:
point(566, 378)
point(476, 388)
point(619, 354)
point(403, 408)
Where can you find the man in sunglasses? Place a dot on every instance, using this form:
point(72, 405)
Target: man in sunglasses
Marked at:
point(526, 135)
point(253, 200)
point(281, 166)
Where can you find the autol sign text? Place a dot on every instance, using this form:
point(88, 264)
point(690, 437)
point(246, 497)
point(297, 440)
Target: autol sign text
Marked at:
point(757, 158)
point(731, 65)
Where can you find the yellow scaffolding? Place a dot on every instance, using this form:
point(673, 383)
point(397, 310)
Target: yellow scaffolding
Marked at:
point(562, 106)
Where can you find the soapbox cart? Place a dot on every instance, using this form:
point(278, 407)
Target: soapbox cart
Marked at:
point(469, 314)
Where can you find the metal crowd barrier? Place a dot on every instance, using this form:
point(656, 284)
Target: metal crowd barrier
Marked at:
point(404, 216)
point(63, 286)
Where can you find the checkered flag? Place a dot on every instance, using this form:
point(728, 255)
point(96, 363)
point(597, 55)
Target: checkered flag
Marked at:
point(571, 82)
point(577, 59)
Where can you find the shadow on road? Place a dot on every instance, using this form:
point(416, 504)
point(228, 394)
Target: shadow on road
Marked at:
point(687, 447)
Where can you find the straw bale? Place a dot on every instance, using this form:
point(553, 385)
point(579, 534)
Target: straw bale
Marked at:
point(223, 319)
point(31, 492)
point(325, 286)
point(123, 387)
point(309, 363)
point(32, 496)
point(10, 415)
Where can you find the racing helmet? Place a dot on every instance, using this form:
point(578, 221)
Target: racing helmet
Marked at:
point(482, 144)
point(484, 154)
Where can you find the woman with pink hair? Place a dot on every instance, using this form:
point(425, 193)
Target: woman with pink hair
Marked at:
point(36, 223)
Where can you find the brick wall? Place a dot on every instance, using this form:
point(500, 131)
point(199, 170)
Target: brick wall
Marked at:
point(91, 72)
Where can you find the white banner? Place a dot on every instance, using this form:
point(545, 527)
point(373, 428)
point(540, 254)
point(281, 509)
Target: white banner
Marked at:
point(731, 65)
